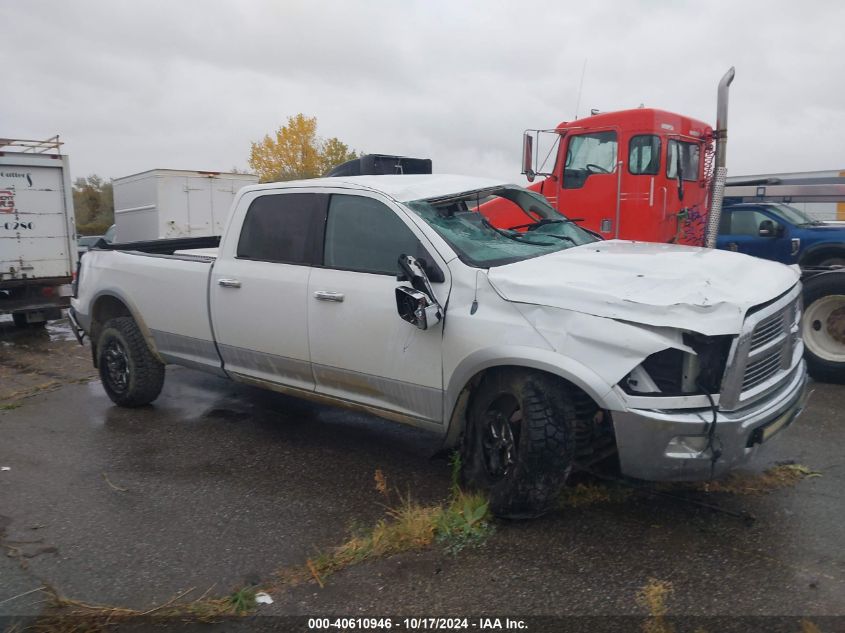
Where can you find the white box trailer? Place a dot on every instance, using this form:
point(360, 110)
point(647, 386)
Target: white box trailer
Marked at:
point(169, 203)
point(37, 230)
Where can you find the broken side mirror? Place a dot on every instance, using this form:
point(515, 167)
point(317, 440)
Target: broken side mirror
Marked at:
point(767, 229)
point(528, 156)
point(416, 308)
point(416, 305)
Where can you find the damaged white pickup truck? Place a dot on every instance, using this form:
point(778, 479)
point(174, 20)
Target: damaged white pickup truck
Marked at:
point(533, 349)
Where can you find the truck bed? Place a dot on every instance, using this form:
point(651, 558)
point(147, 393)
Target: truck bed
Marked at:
point(162, 247)
point(165, 287)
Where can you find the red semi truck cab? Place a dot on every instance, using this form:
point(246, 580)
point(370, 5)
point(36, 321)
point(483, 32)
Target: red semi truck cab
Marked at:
point(638, 174)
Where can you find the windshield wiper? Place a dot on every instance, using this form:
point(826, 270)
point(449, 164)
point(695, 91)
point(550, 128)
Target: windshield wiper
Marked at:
point(545, 222)
point(515, 238)
point(542, 222)
point(565, 238)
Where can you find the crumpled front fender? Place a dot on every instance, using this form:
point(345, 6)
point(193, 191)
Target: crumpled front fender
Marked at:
point(610, 348)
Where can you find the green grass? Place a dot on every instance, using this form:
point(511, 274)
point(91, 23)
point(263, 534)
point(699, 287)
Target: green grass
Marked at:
point(243, 600)
point(463, 520)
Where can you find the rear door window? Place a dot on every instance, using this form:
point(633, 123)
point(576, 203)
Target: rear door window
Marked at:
point(282, 228)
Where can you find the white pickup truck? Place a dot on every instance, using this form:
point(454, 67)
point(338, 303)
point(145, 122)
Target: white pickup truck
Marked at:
point(532, 350)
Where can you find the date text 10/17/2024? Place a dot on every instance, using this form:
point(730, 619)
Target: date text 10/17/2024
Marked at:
point(416, 624)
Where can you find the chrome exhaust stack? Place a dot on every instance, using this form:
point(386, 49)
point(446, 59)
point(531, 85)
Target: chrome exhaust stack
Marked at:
point(720, 173)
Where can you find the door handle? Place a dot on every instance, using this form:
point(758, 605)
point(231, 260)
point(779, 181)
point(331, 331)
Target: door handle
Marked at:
point(229, 283)
point(325, 295)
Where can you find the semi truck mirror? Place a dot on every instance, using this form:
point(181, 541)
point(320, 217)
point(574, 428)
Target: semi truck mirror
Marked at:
point(528, 156)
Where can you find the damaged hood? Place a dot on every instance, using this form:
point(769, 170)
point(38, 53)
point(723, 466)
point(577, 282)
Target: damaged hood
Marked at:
point(703, 290)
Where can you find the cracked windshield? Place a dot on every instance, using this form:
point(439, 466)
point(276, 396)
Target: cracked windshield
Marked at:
point(469, 222)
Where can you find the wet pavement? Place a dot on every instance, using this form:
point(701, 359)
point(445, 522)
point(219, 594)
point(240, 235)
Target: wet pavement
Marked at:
point(219, 485)
point(38, 359)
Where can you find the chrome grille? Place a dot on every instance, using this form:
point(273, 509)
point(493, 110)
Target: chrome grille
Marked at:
point(761, 370)
point(768, 330)
point(765, 354)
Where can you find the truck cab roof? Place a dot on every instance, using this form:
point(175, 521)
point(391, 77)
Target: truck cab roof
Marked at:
point(641, 119)
point(400, 188)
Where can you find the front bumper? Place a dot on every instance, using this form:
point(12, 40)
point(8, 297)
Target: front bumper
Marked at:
point(672, 445)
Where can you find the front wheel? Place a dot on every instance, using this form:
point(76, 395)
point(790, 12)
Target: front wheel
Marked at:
point(131, 375)
point(519, 443)
point(823, 327)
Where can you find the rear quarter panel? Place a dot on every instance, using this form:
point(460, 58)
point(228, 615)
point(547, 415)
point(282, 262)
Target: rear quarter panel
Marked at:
point(167, 296)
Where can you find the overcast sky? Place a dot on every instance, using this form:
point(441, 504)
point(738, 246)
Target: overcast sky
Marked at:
point(135, 85)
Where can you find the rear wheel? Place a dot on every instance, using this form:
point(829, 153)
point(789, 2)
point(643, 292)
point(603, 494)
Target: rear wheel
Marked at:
point(823, 327)
point(519, 443)
point(131, 375)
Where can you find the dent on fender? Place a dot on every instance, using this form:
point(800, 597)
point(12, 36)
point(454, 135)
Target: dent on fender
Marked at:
point(610, 348)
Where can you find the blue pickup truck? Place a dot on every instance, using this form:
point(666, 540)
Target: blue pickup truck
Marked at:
point(785, 234)
point(781, 233)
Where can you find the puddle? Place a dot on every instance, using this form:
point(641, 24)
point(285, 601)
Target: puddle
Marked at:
point(60, 330)
point(54, 331)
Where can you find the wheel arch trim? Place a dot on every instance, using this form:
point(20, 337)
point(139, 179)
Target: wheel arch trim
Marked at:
point(822, 249)
point(116, 294)
point(520, 357)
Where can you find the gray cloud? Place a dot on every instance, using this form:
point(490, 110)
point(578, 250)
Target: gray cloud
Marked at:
point(131, 86)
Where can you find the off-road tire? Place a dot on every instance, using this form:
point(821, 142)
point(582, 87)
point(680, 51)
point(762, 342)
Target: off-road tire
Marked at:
point(544, 449)
point(817, 288)
point(121, 344)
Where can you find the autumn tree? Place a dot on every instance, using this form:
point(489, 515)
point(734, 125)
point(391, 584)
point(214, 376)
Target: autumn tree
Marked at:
point(93, 204)
point(295, 151)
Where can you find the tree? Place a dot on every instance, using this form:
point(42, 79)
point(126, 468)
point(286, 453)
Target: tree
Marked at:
point(93, 204)
point(295, 151)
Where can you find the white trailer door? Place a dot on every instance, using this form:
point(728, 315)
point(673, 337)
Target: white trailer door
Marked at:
point(34, 229)
point(222, 195)
point(198, 190)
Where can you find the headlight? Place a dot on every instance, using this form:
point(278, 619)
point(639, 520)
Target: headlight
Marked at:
point(674, 372)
